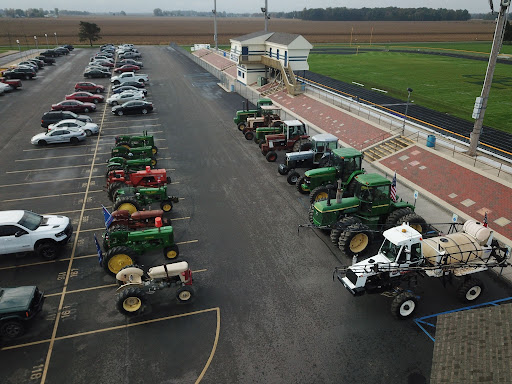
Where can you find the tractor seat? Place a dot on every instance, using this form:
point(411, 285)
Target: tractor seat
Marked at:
point(142, 215)
point(121, 214)
point(173, 269)
point(130, 275)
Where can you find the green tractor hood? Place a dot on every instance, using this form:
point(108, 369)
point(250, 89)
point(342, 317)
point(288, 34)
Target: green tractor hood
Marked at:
point(319, 172)
point(151, 234)
point(326, 215)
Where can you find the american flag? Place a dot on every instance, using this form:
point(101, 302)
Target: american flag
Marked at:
point(393, 188)
point(485, 220)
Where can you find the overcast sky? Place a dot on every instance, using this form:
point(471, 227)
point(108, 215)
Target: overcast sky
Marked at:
point(237, 6)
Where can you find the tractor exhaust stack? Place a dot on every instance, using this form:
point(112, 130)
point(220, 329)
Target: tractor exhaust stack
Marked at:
point(339, 192)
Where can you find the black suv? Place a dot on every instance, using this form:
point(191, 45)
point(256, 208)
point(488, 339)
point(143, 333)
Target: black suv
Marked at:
point(62, 50)
point(69, 47)
point(47, 59)
point(20, 73)
point(50, 53)
point(56, 116)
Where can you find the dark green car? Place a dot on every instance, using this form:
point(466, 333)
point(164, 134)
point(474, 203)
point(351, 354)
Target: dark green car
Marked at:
point(18, 306)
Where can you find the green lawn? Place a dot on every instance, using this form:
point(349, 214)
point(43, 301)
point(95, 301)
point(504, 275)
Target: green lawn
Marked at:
point(446, 84)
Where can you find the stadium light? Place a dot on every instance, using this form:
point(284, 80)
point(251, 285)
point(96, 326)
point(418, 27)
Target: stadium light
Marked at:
point(47, 46)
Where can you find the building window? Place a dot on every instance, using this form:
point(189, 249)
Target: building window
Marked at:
point(239, 73)
point(278, 54)
point(270, 54)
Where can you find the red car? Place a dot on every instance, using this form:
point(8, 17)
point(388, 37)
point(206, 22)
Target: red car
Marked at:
point(74, 106)
point(89, 87)
point(107, 64)
point(15, 83)
point(86, 97)
point(127, 68)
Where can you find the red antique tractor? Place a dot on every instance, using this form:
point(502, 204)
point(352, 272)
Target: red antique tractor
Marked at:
point(140, 219)
point(294, 138)
point(146, 178)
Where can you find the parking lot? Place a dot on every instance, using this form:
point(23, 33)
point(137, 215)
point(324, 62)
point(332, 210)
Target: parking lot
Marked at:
point(266, 310)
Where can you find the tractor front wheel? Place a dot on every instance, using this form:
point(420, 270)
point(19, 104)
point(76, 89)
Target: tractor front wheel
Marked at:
point(154, 149)
point(354, 240)
point(283, 170)
point(153, 161)
point(130, 301)
point(470, 290)
point(299, 187)
point(117, 258)
point(166, 205)
point(404, 305)
point(171, 252)
point(185, 294)
point(112, 189)
point(293, 177)
point(318, 193)
point(249, 135)
point(127, 203)
point(242, 126)
point(271, 156)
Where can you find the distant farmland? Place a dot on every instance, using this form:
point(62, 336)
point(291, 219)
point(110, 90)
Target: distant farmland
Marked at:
point(162, 30)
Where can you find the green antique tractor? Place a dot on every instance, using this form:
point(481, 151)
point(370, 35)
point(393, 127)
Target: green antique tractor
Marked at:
point(352, 221)
point(134, 199)
point(122, 247)
point(134, 153)
point(240, 118)
point(120, 163)
point(134, 141)
point(269, 118)
point(346, 165)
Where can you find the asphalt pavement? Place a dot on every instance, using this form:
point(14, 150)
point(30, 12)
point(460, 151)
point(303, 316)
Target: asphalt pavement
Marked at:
point(267, 309)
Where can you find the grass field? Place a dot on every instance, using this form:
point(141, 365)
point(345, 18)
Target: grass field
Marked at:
point(445, 84)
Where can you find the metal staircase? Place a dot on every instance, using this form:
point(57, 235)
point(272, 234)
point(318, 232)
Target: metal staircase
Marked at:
point(387, 148)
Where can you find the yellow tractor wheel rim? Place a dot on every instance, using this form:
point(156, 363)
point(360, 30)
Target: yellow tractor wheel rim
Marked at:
point(153, 151)
point(185, 295)
point(127, 207)
point(417, 227)
point(172, 254)
point(153, 162)
point(359, 242)
point(166, 207)
point(132, 304)
point(118, 262)
point(321, 195)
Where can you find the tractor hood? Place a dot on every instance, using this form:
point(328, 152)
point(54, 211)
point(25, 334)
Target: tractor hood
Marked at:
point(16, 299)
point(275, 137)
point(301, 155)
point(320, 172)
point(346, 203)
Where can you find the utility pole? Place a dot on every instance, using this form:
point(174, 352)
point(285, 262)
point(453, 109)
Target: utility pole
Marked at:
point(265, 15)
point(215, 23)
point(481, 102)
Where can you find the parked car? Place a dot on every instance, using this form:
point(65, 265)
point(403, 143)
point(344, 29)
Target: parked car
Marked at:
point(50, 53)
point(39, 63)
point(52, 117)
point(132, 108)
point(69, 47)
point(86, 97)
point(89, 128)
point(103, 63)
point(29, 64)
point(96, 72)
point(130, 55)
point(123, 88)
point(135, 84)
point(47, 59)
point(20, 73)
point(5, 88)
point(123, 97)
point(14, 83)
point(89, 87)
point(130, 61)
point(127, 68)
point(102, 58)
point(62, 50)
point(60, 135)
point(25, 231)
point(74, 106)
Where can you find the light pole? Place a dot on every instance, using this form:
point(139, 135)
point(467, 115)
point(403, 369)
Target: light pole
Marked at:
point(56, 41)
point(409, 91)
point(37, 45)
point(214, 11)
point(19, 48)
point(265, 14)
point(47, 46)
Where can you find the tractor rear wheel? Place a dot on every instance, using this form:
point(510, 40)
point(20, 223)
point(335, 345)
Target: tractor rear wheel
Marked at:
point(111, 168)
point(185, 294)
point(293, 177)
point(249, 135)
point(11, 329)
point(321, 192)
point(166, 205)
point(350, 189)
point(403, 305)
point(47, 251)
point(171, 252)
point(394, 217)
point(354, 240)
point(112, 189)
point(271, 156)
point(299, 187)
point(470, 290)
point(117, 258)
point(242, 126)
point(130, 301)
point(127, 203)
point(154, 149)
point(341, 226)
point(415, 222)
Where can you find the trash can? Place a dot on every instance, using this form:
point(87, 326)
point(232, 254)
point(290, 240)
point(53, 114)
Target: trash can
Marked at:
point(431, 141)
point(232, 87)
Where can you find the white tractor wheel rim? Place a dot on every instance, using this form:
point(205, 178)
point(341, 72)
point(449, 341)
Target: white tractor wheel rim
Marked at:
point(185, 295)
point(473, 292)
point(407, 308)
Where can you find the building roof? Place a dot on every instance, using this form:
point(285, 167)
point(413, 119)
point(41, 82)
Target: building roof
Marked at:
point(282, 38)
point(250, 36)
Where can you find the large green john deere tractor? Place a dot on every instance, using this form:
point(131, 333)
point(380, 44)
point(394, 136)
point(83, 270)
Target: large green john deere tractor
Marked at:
point(134, 141)
point(352, 221)
point(122, 247)
point(133, 199)
point(133, 153)
point(240, 118)
point(120, 163)
point(346, 166)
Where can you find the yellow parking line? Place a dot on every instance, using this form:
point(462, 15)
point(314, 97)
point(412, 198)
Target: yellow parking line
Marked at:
point(82, 290)
point(55, 157)
point(45, 181)
point(187, 242)
point(49, 169)
point(125, 326)
point(214, 348)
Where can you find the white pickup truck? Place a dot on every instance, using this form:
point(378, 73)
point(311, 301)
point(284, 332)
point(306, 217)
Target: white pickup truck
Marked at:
point(129, 76)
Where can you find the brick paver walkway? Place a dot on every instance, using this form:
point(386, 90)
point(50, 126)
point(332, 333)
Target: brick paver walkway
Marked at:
point(460, 187)
point(350, 130)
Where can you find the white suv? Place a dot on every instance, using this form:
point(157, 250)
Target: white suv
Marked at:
point(26, 231)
